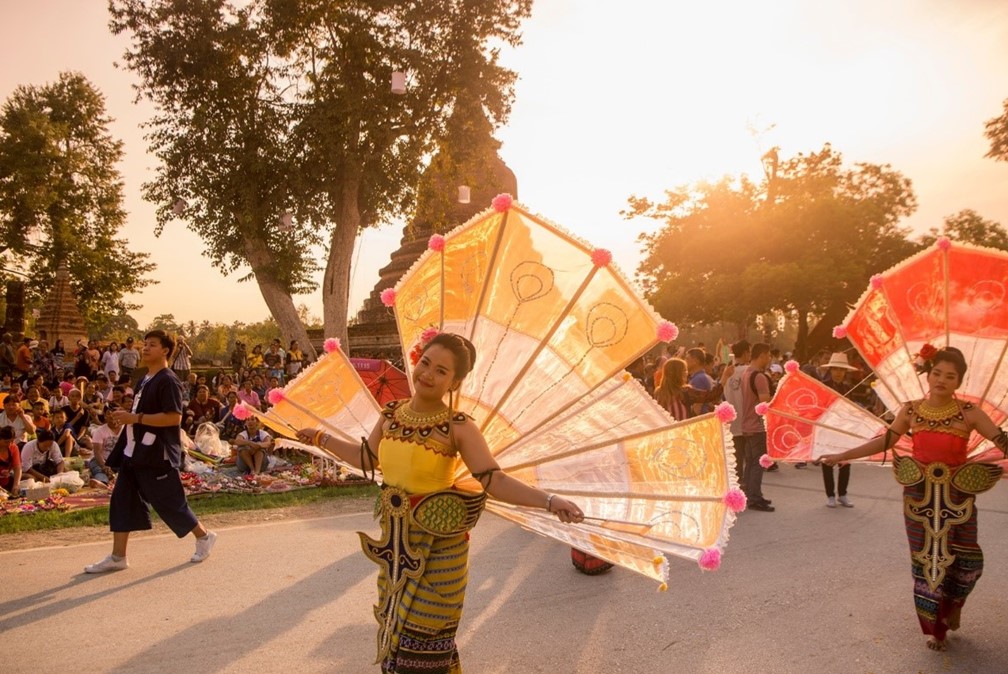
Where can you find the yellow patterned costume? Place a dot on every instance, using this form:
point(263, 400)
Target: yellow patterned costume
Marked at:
point(423, 552)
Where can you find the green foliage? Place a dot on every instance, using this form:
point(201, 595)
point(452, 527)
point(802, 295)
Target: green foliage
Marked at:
point(808, 238)
point(214, 341)
point(274, 105)
point(996, 130)
point(61, 197)
point(969, 227)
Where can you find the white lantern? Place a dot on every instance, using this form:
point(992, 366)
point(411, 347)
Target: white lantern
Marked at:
point(398, 82)
point(286, 221)
point(36, 313)
point(178, 208)
point(463, 194)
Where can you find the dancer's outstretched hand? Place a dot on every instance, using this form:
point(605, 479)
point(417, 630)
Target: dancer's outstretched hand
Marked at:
point(566, 511)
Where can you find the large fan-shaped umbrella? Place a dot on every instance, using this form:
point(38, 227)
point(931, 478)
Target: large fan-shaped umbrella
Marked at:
point(385, 381)
point(950, 294)
point(555, 326)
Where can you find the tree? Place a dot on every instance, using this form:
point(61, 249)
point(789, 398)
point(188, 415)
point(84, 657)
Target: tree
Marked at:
point(61, 197)
point(969, 227)
point(164, 322)
point(804, 240)
point(996, 130)
point(271, 106)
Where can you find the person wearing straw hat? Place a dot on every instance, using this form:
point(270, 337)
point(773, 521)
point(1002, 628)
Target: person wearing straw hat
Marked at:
point(838, 368)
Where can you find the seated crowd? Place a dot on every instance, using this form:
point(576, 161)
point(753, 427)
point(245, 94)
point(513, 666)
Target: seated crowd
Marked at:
point(56, 403)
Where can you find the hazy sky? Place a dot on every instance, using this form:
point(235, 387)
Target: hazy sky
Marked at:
point(630, 101)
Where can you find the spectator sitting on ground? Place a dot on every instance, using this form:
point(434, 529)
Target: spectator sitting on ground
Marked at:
point(32, 399)
point(103, 439)
point(248, 395)
point(58, 399)
point(202, 409)
point(63, 433)
point(10, 461)
point(14, 415)
point(39, 416)
point(230, 426)
point(41, 458)
point(253, 445)
point(78, 417)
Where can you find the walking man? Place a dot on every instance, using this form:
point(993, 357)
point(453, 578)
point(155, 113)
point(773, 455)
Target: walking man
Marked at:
point(147, 455)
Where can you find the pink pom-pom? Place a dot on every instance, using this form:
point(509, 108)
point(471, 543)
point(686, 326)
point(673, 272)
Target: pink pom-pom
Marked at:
point(735, 500)
point(388, 297)
point(240, 412)
point(601, 257)
point(791, 366)
point(667, 332)
point(331, 344)
point(502, 202)
point(428, 334)
point(765, 461)
point(710, 560)
point(436, 243)
point(762, 409)
point(876, 281)
point(840, 331)
point(943, 243)
point(725, 413)
point(275, 396)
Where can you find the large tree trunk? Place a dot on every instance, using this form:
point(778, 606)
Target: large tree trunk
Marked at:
point(336, 282)
point(278, 299)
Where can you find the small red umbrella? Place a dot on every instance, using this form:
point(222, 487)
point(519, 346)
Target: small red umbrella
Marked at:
point(385, 381)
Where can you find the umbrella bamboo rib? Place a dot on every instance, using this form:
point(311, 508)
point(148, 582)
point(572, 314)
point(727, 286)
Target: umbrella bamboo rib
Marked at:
point(539, 348)
point(491, 263)
point(587, 448)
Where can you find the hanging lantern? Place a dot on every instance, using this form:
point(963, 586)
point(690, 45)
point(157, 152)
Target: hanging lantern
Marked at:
point(178, 208)
point(463, 194)
point(286, 222)
point(36, 313)
point(398, 82)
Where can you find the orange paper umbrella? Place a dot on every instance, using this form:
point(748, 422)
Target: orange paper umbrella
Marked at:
point(385, 381)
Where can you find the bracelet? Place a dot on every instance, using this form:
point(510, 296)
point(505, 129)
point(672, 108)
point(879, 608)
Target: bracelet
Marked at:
point(549, 501)
point(317, 441)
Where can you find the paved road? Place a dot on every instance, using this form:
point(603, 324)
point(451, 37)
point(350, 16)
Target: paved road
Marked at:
point(805, 589)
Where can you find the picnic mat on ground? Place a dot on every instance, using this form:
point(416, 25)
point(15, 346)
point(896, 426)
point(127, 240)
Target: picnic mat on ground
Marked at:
point(213, 482)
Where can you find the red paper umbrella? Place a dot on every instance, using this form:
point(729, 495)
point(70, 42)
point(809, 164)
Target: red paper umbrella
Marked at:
point(385, 381)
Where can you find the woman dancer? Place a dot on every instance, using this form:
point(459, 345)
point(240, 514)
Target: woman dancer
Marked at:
point(423, 550)
point(937, 480)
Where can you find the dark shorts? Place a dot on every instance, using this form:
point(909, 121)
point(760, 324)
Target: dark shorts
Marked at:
point(138, 489)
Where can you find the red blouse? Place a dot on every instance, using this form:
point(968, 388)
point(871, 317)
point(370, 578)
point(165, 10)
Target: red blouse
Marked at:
point(932, 446)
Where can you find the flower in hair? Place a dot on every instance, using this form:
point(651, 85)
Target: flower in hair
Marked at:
point(927, 352)
point(415, 353)
point(436, 243)
point(667, 332)
point(502, 202)
point(601, 257)
point(331, 344)
point(428, 334)
point(388, 297)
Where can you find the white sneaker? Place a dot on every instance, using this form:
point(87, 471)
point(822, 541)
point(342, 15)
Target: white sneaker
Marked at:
point(831, 502)
point(106, 565)
point(845, 502)
point(203, 547)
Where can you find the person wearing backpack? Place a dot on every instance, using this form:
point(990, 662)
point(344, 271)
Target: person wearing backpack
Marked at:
point(757, 389)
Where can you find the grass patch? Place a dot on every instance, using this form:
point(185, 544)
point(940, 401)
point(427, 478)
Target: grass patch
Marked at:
point(201, 504)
